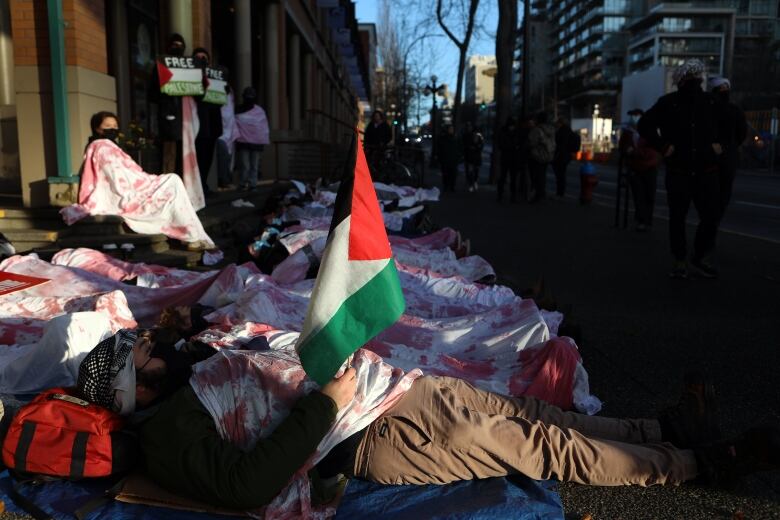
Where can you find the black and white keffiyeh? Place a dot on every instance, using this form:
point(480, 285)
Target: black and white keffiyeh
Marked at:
point(102, 365)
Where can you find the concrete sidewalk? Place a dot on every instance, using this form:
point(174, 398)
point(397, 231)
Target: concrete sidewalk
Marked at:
point(641, 329)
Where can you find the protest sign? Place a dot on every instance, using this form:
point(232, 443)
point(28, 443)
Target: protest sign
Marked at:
point(216, 90)
point(179, 76)
point(10, 282)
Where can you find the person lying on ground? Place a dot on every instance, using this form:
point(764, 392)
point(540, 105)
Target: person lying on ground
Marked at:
point(135, 369)
point(441, 431)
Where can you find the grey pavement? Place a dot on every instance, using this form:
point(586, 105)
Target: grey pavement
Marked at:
point(641, 330)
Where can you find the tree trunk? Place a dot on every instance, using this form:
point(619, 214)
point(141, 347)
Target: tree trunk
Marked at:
point(463, 48)
point(505, 47)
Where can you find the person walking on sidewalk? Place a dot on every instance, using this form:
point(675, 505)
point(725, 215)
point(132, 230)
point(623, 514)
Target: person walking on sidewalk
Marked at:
point(509, 144)
point(252, 125)
point(683, 127)
point(473, 142)
point(641, 161)
point(541, 152)
point(449, 152)
point(732, 130)
point(567, 143)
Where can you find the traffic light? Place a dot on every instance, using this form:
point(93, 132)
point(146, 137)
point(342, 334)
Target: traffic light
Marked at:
point(483, 106)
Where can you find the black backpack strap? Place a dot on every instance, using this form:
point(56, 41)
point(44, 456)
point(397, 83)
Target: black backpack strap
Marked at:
point(25, 503)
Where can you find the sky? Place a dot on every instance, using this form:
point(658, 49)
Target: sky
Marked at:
point(445, 64)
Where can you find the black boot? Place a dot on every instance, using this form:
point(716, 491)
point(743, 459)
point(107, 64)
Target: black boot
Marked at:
point(721, 463)
point(694, 419)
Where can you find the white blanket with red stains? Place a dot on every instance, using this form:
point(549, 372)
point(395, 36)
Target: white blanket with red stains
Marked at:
point(250, 393)
point(74, 289)
point(113, 184)
point(427, 255)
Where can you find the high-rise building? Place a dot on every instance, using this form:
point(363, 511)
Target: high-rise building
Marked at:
point(593, 45)
point(479, 86)
point(541, 87)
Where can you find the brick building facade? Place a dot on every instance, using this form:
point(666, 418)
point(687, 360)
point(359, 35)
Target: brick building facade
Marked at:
point(304, 57)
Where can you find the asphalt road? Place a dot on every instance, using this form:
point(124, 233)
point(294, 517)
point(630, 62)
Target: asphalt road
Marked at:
point(754, 209)
point(640, 330)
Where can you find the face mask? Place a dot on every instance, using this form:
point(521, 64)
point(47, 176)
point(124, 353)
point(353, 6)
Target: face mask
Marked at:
point(200, 62)
point(111, 133)
point(690, 86)
point(723, 95)
point(176, 51)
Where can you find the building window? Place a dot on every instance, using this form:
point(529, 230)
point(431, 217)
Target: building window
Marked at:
point(614, 23)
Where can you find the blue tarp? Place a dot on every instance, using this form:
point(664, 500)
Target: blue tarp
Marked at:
point(515, 497)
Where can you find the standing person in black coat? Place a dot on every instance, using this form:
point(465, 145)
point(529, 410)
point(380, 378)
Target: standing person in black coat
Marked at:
point(376, 136)
point(567, 143)
point(472, 155)
point(169, 117)
point(524, 180)
point(683, 127)
point(509, 144)
point(449, 153)
point(210, 126)
point(732, 130)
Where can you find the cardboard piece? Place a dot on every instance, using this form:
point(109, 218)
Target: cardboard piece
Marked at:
point(140, 489)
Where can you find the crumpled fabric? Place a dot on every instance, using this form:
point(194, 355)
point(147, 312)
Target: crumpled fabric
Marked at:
point(249, 393)
point(113, 184)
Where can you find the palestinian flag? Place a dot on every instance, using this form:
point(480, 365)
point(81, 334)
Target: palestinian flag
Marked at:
point(357, 293)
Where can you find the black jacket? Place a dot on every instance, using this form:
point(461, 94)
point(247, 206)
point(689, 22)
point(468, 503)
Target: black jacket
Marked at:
point(689, 122)
point(448, 150)
point(377, 135)
point(732, 127)
point(567, 142)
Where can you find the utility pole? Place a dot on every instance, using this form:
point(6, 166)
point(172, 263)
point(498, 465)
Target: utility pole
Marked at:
point(433, 89)
point(526, 55)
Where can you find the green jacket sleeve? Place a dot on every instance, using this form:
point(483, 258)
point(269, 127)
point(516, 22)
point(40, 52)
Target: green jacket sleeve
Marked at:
point(184, 452)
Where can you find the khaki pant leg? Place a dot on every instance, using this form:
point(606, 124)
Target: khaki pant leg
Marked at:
point(431, 438)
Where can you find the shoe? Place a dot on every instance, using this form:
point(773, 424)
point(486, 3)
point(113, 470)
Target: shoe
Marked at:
point(721, 463)
point(198, 245)
point(693, 421)
point(702, 267)
point(679, 270)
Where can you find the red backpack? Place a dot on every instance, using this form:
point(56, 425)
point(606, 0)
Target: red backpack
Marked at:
point(59, 435)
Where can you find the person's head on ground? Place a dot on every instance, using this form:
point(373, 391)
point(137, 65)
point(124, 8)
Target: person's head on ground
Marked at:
point(201, 57)
point(176, 45)
point(377, 117)
point(690, 75)
point(122, 374)
point(104, 125)
point(720, 87)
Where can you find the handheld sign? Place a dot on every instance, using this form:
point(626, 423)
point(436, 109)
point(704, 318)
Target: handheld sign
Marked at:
point(179, 76)
point(216, 91)
point(11, 282)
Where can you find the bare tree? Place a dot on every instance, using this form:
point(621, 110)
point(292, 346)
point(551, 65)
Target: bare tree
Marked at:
point(442, 13)
point(505, 46)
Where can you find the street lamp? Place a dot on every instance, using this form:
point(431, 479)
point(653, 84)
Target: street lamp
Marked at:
point(433, 90)
point(404, 94)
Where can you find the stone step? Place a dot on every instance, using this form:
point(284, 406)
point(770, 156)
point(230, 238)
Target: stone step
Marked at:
point(142, 243)
point(28, 239)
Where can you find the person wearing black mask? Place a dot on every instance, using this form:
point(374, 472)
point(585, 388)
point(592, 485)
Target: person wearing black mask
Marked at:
point(104, 125)
point(210, 120)
point(732, 128)
point(683, 127)
point(169, 116)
